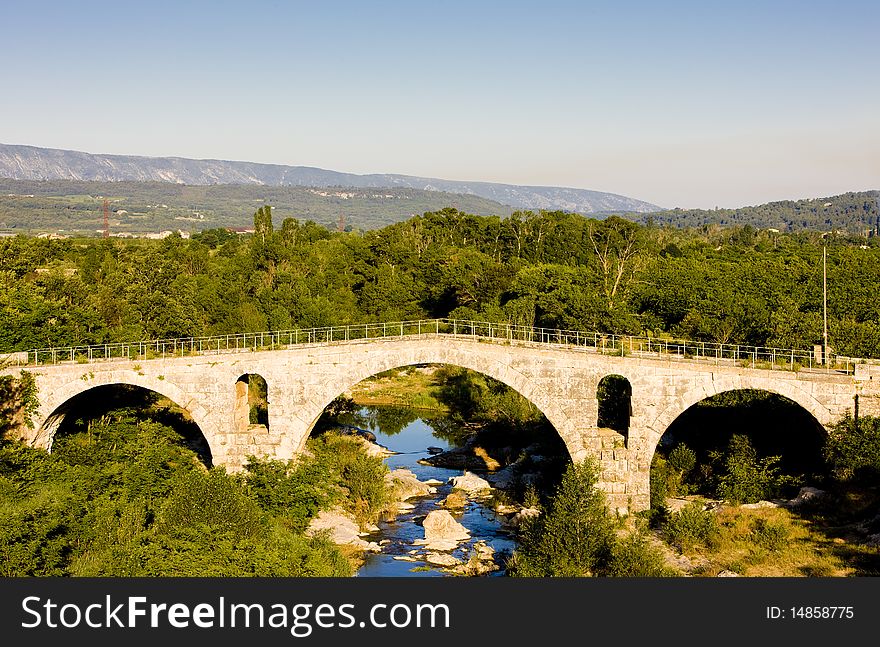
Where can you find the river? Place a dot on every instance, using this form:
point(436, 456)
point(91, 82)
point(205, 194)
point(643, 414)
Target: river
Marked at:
point(411, 444)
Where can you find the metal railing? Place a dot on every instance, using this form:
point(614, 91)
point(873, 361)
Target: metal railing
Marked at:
point(607, 344)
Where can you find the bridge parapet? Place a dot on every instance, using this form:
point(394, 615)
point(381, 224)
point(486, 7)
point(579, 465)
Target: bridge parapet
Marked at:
point(718, 354)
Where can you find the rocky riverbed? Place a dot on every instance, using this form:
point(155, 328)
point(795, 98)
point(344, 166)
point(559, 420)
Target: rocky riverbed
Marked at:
point(445, 521)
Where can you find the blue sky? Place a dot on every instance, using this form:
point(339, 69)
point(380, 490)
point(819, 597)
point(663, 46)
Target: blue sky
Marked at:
point(691, 104)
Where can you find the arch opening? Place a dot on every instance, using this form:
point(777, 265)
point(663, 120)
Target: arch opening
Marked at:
point(480, 423)
point(743, 445)
point(251, 401)
point(116, 402)
point(614, 394)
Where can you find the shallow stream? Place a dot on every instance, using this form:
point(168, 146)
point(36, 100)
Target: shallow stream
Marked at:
point(484, 525)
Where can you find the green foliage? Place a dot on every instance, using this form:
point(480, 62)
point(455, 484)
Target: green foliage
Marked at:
point(854, 212)
point(125, 497)
point(295, 490)
point(477, 397)
point(660, 490)
point(853, 450)
point(771, 534)
point(34, 533)
point(682, 459)
point(691, 527)
point(214, 503)
point(669, 478)
point(358, 479)
point(576, 536)
point(743, 477)
point(550, 269)
point(634, 556)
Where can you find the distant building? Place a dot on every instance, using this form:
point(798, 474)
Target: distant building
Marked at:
point(240, 230)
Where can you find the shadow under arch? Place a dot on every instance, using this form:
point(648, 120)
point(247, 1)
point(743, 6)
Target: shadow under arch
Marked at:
point(75, 413)
point(774, 424)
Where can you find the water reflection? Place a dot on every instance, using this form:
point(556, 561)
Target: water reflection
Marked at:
point(405, 431)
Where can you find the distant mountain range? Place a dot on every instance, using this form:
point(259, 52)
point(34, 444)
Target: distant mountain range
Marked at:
point(32, 163)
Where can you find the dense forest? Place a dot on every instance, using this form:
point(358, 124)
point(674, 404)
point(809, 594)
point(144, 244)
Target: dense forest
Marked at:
point(854, 213)
point(552, 269)
point(74, 207)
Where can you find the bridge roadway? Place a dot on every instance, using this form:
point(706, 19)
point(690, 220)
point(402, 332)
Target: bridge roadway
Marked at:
point(559, 377)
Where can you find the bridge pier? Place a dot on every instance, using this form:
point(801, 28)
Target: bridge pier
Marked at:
point(624, 473)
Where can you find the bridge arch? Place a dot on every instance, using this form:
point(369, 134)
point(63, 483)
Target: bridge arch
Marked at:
point(52, 407)
point(450, 355)
point(786, 389)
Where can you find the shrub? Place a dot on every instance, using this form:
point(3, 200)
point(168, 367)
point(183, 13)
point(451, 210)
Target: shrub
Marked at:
point(358, 481)
point(634, 556)
point(746, 478)
point(770, 534)
point(659, 483)
point(367, 490)
point(682, 459)
point(691, 527)
point(575, 536)
point(295, 490)
point(853, 451)
point(215, 501)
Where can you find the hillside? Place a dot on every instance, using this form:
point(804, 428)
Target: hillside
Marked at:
point(76, 206)
point(32, 163)
point(856, 213)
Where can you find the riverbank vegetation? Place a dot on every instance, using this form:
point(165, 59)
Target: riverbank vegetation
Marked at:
point(577, 537)
point(125, 496)
point(756, 514)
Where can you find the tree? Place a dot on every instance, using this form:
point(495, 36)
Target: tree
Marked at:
point(575, 537)
point(616, 243)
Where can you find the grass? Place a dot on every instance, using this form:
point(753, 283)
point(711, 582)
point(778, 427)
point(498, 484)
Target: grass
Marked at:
point(775, 542)
point(411, 386)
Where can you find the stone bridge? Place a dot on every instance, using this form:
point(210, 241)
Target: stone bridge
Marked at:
point(561, 379)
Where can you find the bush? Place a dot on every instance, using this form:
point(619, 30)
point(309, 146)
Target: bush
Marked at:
point(357, 480)
point(124, 498)
point(294, 490)
point(746, 478)
point(574, 537)
point(691, 527)
point(682, 459)
point(214, 502)
point(669, 476)
point(659, 483)
point(769, 534)
point(634, 556)
point(853, 451)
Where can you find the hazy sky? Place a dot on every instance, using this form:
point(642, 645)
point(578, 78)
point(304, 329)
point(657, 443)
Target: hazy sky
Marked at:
point(691, 104)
